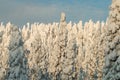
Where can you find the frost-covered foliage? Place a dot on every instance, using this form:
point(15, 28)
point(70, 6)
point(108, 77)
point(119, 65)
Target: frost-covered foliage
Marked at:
point(13, 63)
point(55, 51)
point(112, 51)
point(62, 51)
point(4, 42)
point(17, 62)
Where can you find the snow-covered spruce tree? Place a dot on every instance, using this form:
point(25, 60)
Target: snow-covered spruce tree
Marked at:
point(18, 68)
point(62, 43)
point(54, 52)
point(3, 51)
point(69, 64)
point(97, 50)
point(88, 50)
point(93, 40)
point(87, 44)
point(111, 68)
point(80, 56)
point(38, 56)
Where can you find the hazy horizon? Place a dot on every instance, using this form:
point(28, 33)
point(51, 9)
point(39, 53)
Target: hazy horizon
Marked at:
point(19, 12)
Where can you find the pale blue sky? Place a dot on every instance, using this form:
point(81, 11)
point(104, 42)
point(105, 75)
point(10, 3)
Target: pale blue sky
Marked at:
point(19, 12)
